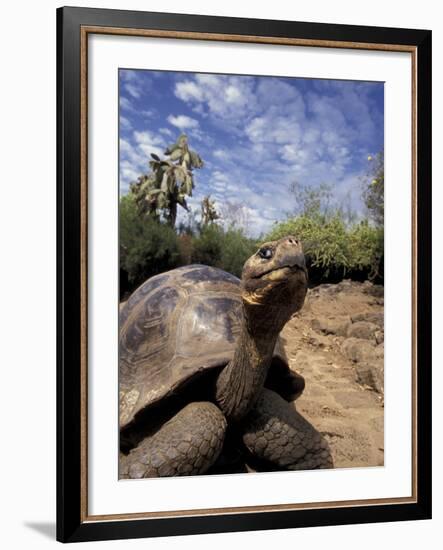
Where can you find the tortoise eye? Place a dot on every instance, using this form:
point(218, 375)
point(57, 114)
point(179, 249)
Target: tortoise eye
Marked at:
point(265, 253)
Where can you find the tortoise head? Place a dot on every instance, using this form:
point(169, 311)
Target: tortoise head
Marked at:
point(274, 284)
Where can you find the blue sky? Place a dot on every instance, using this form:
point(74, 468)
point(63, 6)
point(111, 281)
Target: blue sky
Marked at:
point(256, 135)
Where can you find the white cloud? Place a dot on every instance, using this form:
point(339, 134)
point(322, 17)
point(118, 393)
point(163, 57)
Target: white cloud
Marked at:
point(210, 80)
point(135, 83)
point(149, 143)
point(274, 129)
point(125, 123)
point(126, 104)
point(270, 89)
point(221, 154)
point(200, 110)
point(127, 175)
point(128, 75)
point(282, 135)
point(234, 95)
point(219, 181)
point(133, 90)
point(130, 153)
point(166, 132)
point(135, 154)
point(314, 139)
point(188, 90)
point(258, 203)
point(228, 99)
point(183, 122)
point(148, 113)
point(294, 154)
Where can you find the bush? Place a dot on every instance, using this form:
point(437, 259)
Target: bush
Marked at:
point(324, 240)
point(236, 249)
point(147, 247)
point(227, 250)
point(206, 247)
point(333, 249)
point(185, 244)
point(366, 249)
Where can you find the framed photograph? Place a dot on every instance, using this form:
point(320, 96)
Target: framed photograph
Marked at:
point(244, 301)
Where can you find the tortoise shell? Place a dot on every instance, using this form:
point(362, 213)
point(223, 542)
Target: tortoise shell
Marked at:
point(173, 327)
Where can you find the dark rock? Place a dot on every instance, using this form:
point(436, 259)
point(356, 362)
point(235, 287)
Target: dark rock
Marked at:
point(380, 351)
point(380, 336)
point(371, 374)
point(376, 318)
point(315, 342)
point(331, 326)
point(378, 291)
point(363, 330)
point(332, 289)
point(359, 351)
point(345, 285)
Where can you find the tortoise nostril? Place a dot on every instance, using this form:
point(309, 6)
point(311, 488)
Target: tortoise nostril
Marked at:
point(292, 241)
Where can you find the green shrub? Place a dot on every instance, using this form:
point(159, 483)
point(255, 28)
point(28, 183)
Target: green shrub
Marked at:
point(186, 247)
point(207, 246)
point(333, 248)
point(236, 249)
point(324, 240)
point(366, 248)
point(147, 247)
point(226, 249)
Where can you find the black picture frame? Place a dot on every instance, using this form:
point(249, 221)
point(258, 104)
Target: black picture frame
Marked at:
point(72, 523)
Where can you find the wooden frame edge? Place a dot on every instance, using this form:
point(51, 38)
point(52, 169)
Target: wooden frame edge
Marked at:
point(84, 32)
point(202, 512)
point(276, 40)
point(84, 274)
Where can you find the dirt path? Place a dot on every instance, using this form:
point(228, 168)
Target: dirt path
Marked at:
point(336, 344)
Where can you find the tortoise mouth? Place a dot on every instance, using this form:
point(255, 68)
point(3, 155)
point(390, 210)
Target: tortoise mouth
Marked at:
point(281, 272)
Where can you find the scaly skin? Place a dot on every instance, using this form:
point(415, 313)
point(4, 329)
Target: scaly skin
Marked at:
point(274, 431)
point(188, 444)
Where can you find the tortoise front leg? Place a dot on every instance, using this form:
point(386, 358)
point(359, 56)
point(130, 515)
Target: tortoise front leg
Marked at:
point(274, 431)
point(188, 444)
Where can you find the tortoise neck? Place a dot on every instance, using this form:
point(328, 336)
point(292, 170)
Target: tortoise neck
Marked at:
point(240, 383)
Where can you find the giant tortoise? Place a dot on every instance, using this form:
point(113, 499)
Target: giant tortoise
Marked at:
point(200, 355)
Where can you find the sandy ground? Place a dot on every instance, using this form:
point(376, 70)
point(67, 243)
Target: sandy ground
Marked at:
point(343, 397)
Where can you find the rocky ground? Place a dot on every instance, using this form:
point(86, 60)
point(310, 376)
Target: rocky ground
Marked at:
point(336, 343)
